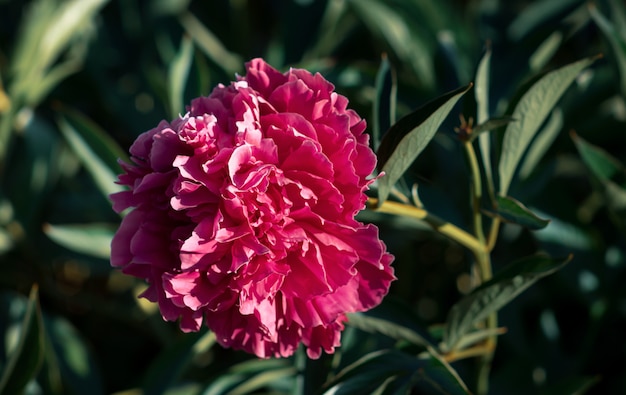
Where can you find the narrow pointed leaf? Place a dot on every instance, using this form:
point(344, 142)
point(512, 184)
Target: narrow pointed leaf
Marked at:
point(385, 101)
point(393, 320)
point(95, 151)
point(545, 51)
point(571, 386)
point(542, 142)
point(246, 376)
point(168, 365)
point(27, 356)
point(74, 359)
point(177, 76)
point(90, 239)
point(481, 94)
point(210, 44)
point(392, 371)
point(617, 40)
point(387, 23)
point(489, 125)
point(408, 137)
point(611, 174)
point(496, 293)
point(511, 210)
point(530, 113)
point(603, 166)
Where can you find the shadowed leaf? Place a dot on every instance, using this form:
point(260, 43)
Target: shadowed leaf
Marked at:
point(26, 357)
point(395, 372)
point(511, 210)
point(496, 293)
point(95, 149)
point(394, 320)
point(408, 137)
point(385, 102)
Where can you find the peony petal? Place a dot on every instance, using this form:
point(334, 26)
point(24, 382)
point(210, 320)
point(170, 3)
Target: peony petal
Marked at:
point(244, 215)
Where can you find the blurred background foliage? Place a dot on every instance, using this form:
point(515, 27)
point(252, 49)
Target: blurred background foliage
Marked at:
point(80, 79)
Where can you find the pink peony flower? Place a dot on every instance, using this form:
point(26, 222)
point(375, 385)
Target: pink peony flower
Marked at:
point(244, 215)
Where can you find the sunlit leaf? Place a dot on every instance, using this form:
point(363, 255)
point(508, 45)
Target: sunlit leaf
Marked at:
point(26, 357)
point(481, 95)
point(530, 113)
point(90, 239)
point(395, 372)
point(511, 210)
point(496, 293)
point(408, 137)
point(177, 76)
point(543, 141)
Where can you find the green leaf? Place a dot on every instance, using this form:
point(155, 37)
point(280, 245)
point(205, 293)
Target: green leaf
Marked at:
point(481, 94)
point(602, 165)
point(91, 239)
point(177, 76)
point(496, 293)
point(542, 142)
point(167, 367)
point(96, 151)
point(251, 375)
point(546, 50)
point(511, 210)
point(26, 357)
point(385, 100)
point(530, 113)
point(210, 44)
point(395, 372)
point(408, 137)
point(571, 386)
point(536, 14)
point(489, 125)
point(387, 23)
point(617, 40)
point(611, 174)
point(394, 320)
point(73, 358)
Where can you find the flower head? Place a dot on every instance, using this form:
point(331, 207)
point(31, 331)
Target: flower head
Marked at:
point(244, 215)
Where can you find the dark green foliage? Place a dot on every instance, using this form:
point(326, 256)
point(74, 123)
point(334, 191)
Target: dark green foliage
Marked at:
point(549, 134)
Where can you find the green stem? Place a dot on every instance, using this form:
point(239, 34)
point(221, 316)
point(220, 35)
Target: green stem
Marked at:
point(483, 260)
point(445, 228)
point(476, 187)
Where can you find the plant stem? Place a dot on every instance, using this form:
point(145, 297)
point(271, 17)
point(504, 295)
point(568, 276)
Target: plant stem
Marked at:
point(445, 228)
point(476, 187)
point(483, 260)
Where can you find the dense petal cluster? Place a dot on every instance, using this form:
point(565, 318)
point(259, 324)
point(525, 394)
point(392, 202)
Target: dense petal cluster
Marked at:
point(244, 215)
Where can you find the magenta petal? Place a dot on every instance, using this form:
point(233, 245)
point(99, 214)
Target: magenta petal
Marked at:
point(244, 215)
